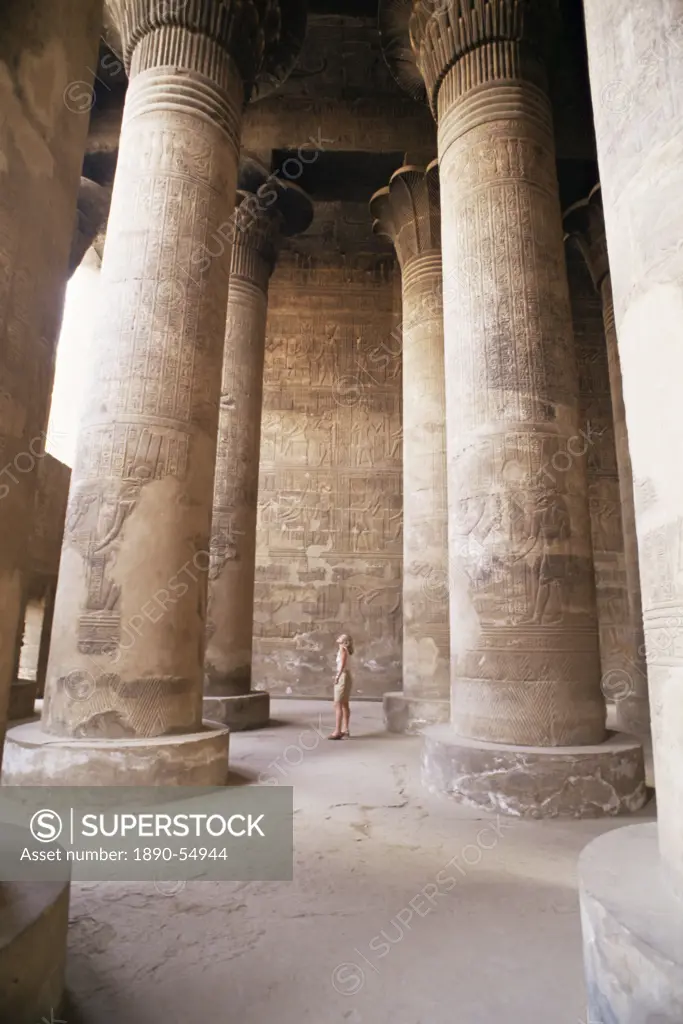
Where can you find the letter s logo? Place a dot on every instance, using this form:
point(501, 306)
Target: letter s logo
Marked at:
point(46, 826)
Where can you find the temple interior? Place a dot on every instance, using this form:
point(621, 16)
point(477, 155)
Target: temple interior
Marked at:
point(375, 412)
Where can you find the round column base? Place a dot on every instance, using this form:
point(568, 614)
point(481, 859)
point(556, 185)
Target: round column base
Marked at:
point(403, 713)
point(632, 930)
point(34, 917)
point(36, 758)
point(247, 711)
point(22, 699)
point(536, 782)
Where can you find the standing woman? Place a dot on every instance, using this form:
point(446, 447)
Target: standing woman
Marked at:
point(342, 688)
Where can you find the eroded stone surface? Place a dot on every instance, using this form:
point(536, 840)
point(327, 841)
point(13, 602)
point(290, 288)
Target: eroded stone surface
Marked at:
point(536, 782)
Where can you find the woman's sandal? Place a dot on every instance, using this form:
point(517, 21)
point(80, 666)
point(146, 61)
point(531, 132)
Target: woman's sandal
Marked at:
point(334, 736)
point(347, 734)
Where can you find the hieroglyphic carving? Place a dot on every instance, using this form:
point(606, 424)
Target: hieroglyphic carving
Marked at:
point(330, 495)
point(227, 660)
point(512, 395)
point(408, 212)
point(618, 654)
point(627, 682)
point(347, 96)
point(147, 442)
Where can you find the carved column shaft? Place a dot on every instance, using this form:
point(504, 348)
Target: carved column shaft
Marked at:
point(267, 211)
point(633, 709)
point(614, 621)
point(426, 648)
point(233, 528)
point(45, 635)
point(128, 638)
point(45, 51)
point(636, 79)
point(525, 660)
point(408, 212)
point(586, 226)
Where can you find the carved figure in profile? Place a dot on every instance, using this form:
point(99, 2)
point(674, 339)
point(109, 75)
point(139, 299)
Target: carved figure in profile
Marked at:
point(550, 528)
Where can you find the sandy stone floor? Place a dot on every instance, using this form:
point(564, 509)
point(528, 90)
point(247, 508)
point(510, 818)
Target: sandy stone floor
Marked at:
point(492, 936)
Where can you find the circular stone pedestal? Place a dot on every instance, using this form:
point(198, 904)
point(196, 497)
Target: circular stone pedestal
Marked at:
point(412, 714)
point(35, 758)
point(632, 930)
point(536, 782)
point(34, 917)
point(247, 711)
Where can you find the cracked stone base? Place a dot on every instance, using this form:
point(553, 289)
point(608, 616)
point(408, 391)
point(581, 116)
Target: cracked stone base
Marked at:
point(35, 758)
point(247, 711)
point(632, 930)
point(536, 782)
point(34, 917)
point(22, 699)
point(412, 714)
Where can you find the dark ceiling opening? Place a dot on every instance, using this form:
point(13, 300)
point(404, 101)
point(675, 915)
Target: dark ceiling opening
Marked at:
point(337, 176)
point(349, 8)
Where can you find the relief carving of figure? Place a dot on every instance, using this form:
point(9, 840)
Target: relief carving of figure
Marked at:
point(550, 528)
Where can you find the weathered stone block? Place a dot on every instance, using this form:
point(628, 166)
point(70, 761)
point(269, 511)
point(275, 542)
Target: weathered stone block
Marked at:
point(536, 782)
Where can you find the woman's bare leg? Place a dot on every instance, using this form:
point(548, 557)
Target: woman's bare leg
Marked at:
point(336, 735)
point(345, 718)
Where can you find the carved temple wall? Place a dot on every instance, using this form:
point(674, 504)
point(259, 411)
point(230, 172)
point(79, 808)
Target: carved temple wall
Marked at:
point(342, 94)
point(329, 549)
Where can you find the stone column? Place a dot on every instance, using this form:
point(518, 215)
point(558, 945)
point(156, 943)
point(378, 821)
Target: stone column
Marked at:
point(408, 213)
point(614, 624)
point(586, 226)
point(91, 219)
point(91, 214)
point(22, 692)
point(45, 50)
point(269, 210)
point(632, 913)
point(45, 634)
point(527, 729)
point(123, 700)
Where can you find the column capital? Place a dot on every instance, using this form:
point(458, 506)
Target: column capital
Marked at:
point(408, 211)
point(267, 209)
point(91, 217)
point(263, 37)
point(424, 39)
point(584, 225)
